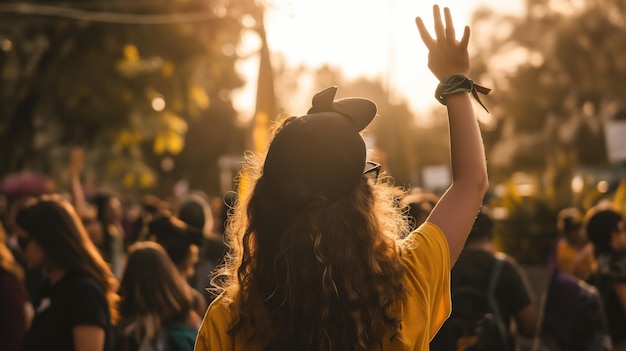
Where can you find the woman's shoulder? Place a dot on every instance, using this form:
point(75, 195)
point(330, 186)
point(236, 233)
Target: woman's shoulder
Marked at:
point(79, 288)
point(222, 306)
point(75, 280)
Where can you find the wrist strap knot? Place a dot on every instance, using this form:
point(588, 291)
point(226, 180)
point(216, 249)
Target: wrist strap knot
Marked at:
point(458, 83)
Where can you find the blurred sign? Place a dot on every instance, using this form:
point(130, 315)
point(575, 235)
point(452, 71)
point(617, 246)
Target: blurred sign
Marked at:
point(615, 135)
point(436, 177)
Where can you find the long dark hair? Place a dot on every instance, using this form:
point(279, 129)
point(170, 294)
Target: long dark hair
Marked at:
point(152, 292)
point(55, 226)
point(102, 202)
point(319, 280)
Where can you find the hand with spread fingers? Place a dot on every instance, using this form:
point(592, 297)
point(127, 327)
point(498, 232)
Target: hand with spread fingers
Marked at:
point(448, 60)
point(446, 55)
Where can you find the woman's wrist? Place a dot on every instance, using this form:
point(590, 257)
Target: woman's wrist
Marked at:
point(456, 84)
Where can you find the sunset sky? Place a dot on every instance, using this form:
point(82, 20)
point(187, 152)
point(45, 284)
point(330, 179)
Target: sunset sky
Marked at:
point(362, 37)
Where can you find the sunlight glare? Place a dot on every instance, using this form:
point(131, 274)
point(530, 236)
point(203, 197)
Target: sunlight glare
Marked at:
point(362, 38)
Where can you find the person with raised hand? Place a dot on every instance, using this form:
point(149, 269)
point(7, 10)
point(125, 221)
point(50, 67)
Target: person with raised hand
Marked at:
point(320, 258)
point(448, 60)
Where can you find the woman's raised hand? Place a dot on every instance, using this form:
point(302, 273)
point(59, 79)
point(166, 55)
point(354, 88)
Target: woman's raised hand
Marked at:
point(446, 55)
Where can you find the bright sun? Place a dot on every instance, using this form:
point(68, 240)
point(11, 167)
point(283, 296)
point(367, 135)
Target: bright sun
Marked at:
point(362, 37)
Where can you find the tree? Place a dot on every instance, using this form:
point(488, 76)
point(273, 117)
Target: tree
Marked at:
point(568, 80)
point(558, 75)
point(149, 102)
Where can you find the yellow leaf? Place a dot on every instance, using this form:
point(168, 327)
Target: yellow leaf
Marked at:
point(146, 179)
point(129, 180)
point(175, 123)
point(131, 53)
point(175, 143)
point(167, 70)
point(159, 144)
point(199, 97)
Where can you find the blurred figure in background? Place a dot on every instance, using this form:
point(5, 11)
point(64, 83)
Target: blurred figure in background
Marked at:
point(604, 226)
point(574, 254)
point(15, 309)
point(109, 214)
point(510, 290)
point(33, 278)
point(156, 310)
point(77, 306)
point(573, 317)
point(87, 212)
point(419, 204)
point(196, 213)
point(151, 208)
point(181, 244)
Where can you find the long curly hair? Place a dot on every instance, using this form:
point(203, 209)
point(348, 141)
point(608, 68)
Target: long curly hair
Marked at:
point(327, 279)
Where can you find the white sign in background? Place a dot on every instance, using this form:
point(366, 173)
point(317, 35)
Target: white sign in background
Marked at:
point(615, 135)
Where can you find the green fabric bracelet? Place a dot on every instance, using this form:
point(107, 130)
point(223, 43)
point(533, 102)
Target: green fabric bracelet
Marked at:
point(458, 83)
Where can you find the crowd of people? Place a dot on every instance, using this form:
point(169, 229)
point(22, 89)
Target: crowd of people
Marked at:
point(97, 272)
point(318, 252)
point(103, 280)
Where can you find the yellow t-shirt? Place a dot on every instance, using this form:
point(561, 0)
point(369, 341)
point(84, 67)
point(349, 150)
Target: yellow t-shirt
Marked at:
point(423, 311)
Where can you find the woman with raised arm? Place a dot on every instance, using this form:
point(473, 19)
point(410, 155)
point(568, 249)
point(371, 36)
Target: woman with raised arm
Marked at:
point(316, 262)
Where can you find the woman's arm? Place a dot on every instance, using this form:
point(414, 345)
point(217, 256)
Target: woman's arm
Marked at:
point(88, 338)
point(76, 188)
point(457, 209)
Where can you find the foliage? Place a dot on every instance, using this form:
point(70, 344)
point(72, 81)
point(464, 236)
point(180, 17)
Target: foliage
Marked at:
point(132, 95)
point(558, 75)
point(569, 79)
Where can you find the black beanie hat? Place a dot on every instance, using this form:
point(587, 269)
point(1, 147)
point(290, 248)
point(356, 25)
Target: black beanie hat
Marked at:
point(319, 158)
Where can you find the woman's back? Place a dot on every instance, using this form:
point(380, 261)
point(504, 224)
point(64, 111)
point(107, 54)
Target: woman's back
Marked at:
point(156, 310)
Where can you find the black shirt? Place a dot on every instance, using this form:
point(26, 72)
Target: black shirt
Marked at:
point(74, 300)
point(612, 270)
point(473, 268)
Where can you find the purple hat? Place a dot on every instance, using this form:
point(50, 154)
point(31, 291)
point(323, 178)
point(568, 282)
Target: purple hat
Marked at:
point(319, 158)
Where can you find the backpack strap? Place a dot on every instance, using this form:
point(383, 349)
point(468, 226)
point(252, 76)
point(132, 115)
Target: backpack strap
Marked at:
point(493, 304)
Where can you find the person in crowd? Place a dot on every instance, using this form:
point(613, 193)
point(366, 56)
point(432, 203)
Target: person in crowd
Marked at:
point(180, 241)
point(511, 291)
point(574, 254)
point(315, 262)
point(573, 317)
point(16, 309)
point(77, 306)
point(196, 213)
point(156, 310)
point(109, 215)
point(604, 227)
point(87, 212)
point(33, 278)
point(151, 208)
